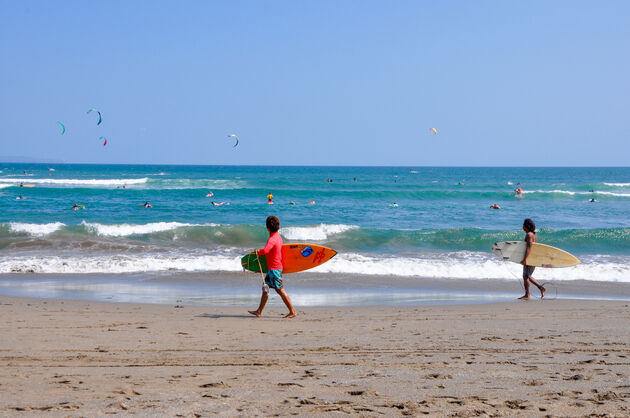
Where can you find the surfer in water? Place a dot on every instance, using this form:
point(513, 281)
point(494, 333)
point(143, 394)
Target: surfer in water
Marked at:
point(270, 199)
point(530, 230)
point(273, 251)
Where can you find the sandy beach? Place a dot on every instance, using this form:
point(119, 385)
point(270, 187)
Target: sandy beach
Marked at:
point(538, 358)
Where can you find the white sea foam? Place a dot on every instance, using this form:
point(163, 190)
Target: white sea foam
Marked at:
point(555, 191)
point(618, 184)
point(568, 192)
point(614, 194)
point(123, 230)
point(314, 233)
point(35, 229)
point(76, 182)
point(2, 186)
point(118, 264)
point(469, 266)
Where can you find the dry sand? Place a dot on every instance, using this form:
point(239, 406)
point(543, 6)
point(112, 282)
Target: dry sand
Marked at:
point(558, 358)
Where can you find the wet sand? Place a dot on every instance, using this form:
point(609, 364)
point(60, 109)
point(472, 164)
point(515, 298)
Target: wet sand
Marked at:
point(537, 358)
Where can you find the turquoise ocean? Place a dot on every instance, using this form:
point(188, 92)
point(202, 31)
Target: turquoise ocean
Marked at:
point(441, 228)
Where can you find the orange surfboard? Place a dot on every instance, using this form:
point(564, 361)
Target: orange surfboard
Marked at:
point(295, 257)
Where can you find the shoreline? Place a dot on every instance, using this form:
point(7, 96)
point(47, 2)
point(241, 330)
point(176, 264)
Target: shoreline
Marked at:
point(77, 358)
point(305, 289)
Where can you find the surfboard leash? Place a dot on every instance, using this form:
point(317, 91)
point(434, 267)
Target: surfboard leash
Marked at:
point(265, 286)
point(551, 284)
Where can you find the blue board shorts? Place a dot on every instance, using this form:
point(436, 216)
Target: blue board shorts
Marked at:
point(273, 279)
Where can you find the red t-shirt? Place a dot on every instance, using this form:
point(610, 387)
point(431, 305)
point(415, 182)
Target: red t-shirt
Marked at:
point(273, 251)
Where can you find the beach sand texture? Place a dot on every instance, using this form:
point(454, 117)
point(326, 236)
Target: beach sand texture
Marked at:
point(557, 358)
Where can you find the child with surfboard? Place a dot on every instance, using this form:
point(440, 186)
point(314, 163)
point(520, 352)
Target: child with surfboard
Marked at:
point(530, 237)
point(273, 279)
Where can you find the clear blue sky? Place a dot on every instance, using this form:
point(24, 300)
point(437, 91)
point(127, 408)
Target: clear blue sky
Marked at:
point(317, 82)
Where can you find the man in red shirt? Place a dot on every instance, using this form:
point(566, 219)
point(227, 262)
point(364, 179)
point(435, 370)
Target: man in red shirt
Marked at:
point(273, 252)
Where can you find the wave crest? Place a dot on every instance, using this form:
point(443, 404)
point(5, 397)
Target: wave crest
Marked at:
point(124, 230)
point(35, 229)
point(319, 232)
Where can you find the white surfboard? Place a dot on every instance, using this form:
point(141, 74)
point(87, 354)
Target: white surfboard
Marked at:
point(541, 255)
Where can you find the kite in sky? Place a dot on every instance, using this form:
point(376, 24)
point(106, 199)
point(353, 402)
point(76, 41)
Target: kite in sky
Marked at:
point(235, 137)
point(433, 130)
point(100, 117)
point(63, 128)
point(104, 139)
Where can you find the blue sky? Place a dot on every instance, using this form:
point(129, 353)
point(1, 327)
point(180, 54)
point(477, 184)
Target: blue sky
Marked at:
point(317, 82)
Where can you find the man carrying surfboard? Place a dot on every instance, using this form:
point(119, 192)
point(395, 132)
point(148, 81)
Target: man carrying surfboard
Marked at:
point(273, 279)
point(530, 230)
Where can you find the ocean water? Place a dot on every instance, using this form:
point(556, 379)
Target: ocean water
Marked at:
point(442, 228)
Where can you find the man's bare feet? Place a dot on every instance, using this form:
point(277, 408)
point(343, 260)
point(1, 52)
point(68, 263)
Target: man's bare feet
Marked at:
point(542, 291)
point(525, 297)
point(291, 315)
point(255, 313)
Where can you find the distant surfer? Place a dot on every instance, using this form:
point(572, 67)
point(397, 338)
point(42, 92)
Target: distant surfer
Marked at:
point(20, 197)
point(393, 205)
point(220, 203)
point(77, 206)
point(518, 192)
point(530, 237)
point(495, 206)
point(292, 203)
point(273, 279)
point(147, 205)
point(592, 200)
point(210, 194)
point(312, 202)
point(270, 199)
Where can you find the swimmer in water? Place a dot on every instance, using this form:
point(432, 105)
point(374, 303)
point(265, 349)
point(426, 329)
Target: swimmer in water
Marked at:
point(292, 203)
point(20, 197)
point(393, 205)
point(210, 194)
point(312, 202)
point(220, 203)
point(147, 205)
point(495, 206)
